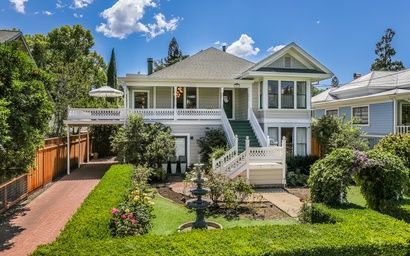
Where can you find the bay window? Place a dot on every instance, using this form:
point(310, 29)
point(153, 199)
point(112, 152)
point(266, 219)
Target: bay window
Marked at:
point(273, 94)
point(287, 94)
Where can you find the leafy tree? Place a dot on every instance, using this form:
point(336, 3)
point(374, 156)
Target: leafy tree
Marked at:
point(112, 72)
point(333, 133)
point(385, 52)
point(174, 55)
point(66, 54)
point(25, 109)
point(335, 81)
point(213, 139)
point(316, 91)
point(146, 144)
point(397, 144)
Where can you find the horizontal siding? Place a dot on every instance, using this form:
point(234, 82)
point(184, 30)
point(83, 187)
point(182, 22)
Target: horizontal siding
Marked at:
point(195, 132)
point(241, 104)
point(345, 112)
point(381, 119)
point(287, 114)
point(209, 98)
point(164, 97)
point(255, 96)
point(265, 176)
point(318, 113)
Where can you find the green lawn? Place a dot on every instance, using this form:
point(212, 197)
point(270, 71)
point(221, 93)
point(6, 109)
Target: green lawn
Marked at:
point(354, 196)
point(169, 216)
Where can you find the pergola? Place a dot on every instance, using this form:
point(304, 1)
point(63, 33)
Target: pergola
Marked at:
point(102, 92)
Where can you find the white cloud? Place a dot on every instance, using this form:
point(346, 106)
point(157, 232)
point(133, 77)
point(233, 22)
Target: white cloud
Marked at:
point(276, 48)
point(78, 15)
point(60, 5)
point(243, 47)
point(220, 43)
point(48, 13)
point(161, 25)
point(19, 5)
point(318, 22)
point(78, 4)
point(124, 18)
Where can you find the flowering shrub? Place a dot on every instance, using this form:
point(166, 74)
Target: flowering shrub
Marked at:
point(133, 216)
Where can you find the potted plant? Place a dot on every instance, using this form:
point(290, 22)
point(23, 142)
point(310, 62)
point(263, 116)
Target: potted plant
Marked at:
point(173, 165)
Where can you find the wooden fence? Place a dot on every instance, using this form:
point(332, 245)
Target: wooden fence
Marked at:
point(50, 163)
point(315, 147)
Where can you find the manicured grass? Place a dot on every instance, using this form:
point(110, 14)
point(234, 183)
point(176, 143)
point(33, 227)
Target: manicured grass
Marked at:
point(170, 215)
point(354, 196)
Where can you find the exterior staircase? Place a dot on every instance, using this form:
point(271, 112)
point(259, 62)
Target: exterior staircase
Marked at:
point(243, 129)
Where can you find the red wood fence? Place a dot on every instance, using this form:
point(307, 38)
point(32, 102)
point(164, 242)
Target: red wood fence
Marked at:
point(50, 163)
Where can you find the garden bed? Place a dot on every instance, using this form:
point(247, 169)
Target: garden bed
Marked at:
point(302, 193)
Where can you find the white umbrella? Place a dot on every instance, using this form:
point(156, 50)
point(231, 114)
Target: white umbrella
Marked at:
point(106, 91)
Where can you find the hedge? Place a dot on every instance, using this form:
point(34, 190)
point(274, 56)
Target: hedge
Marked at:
point(356, 231)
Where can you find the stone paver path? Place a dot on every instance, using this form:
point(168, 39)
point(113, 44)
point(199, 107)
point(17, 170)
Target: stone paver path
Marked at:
point(42, 219)
point(285, 201)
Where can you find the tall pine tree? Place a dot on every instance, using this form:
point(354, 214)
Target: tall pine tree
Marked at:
point(174, 55)
point(112, 71)
point(385, 52)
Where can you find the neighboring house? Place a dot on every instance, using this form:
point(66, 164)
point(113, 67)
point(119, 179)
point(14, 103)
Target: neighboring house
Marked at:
point(379, 102)
point(263, 101)
point(14, 36)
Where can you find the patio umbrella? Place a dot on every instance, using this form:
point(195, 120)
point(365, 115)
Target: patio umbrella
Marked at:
point(106, 92)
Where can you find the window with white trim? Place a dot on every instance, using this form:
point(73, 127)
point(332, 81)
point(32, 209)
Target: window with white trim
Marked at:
point(332, 112)
point(141, 99)
point(361, 115)
point(273, 94)
point(273, 135)
point(301, 94)
point(288, 62)
point(191, 100)
point(301, 141)
point(287, 94)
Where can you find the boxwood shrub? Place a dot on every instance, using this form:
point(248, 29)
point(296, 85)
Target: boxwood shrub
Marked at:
point(352, 231)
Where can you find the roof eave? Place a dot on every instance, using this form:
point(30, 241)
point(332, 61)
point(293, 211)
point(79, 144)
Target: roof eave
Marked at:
point(285, 74)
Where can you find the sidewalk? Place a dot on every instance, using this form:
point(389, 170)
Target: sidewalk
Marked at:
point(41, 220)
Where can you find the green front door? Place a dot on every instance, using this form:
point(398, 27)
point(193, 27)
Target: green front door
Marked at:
point(228, 103)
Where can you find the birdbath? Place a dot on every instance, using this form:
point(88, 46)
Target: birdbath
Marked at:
point(199, 205)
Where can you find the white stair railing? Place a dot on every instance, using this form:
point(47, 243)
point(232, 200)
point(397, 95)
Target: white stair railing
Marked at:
point(220, 163)
point(227, 129)
point(262, 138)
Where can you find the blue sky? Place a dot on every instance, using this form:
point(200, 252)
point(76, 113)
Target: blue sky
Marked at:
point(340, 34)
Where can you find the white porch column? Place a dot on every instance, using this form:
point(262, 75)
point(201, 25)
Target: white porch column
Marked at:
point(249, 100)
point(79, 147)
point(265, 94)
point(175, 103)
point(309, 140)
point(395, 116)
point(68, 150)
point(295, 140)
point(88, 144)
point(221, 98)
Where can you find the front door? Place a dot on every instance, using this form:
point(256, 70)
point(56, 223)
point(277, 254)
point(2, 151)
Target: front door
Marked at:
point(228, 103)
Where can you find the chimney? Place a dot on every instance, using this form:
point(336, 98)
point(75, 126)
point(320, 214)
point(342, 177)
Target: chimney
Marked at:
point(356, 75)
point(150, 63)
point(224, 48)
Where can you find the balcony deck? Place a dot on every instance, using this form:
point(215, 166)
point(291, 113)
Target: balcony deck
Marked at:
point(88, 116)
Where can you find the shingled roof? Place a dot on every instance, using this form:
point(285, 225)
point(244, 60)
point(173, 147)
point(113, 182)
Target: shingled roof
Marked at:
point(209, 64)
point(9, 35)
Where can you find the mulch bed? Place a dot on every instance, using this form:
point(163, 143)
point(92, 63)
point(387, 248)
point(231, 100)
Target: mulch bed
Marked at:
point(302, 193)
point(251, 210)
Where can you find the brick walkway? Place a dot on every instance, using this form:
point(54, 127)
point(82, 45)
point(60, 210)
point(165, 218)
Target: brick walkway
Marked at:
point(41, 220)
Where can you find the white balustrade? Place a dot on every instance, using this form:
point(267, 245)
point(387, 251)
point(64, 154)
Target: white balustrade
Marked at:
point(401, 129)
point(220, 163)
point(81, 114)
point(262, 138)
point(227, 129)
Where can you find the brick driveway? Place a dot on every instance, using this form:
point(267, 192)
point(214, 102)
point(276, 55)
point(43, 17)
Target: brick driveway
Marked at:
point(41, 220)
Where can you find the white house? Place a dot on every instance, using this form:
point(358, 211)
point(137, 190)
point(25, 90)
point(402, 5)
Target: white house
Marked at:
point(263, 101)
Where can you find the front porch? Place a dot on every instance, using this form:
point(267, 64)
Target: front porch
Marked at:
point(402, 116)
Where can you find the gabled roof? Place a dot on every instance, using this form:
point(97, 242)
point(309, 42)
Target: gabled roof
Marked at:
point(9, 35)
point(209, 64)
point(318, 67)
point(324, 96)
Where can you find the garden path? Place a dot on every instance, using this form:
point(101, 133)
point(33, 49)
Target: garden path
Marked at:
point(41, 220)
point(284, 200)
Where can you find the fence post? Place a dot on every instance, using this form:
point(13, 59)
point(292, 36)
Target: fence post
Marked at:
point(236, 144)
point(247, 157)
point(284, 161)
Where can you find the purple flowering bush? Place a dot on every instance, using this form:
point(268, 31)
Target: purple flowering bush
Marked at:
point(134, 215)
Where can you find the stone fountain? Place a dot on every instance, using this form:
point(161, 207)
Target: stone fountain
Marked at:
point(199, 205)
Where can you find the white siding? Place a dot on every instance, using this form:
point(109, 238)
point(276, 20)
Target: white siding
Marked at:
point(241, 104)
point(209, 98)
point(164, 97)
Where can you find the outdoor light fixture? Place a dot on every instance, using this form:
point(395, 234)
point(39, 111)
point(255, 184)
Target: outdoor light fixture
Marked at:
point(236, 85)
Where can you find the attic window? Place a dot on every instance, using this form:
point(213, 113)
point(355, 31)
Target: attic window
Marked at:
point(288, 62)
